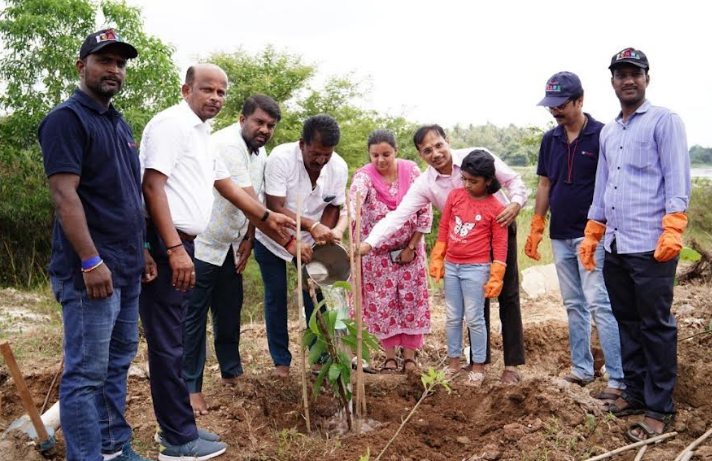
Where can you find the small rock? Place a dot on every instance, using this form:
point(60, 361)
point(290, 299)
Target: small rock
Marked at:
point(462, 440)
point(513, 431)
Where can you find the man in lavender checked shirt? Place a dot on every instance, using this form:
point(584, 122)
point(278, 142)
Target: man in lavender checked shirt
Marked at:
point(642, 191)
point(433, 186)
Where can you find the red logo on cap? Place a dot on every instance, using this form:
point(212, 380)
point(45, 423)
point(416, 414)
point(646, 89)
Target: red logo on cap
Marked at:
point(106, 36)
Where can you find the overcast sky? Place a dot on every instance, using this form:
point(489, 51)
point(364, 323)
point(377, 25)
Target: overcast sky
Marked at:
point(462, 61)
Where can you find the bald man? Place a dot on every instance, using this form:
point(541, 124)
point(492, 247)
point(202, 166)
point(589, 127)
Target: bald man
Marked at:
point(180, 171)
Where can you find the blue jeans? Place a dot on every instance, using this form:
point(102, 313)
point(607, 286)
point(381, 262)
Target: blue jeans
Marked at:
point(274, 277)
point(585, 296)
point(465, 297)
point(100, 341)
point(219, 289)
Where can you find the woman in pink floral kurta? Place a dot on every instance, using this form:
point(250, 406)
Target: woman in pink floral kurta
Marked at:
point(395, 292)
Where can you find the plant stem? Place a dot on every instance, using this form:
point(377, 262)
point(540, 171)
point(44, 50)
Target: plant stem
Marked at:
point(427, 391)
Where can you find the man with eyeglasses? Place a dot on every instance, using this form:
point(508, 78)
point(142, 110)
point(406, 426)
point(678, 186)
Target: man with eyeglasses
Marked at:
point(433, 186)
point(568, 156)
point(642, 192)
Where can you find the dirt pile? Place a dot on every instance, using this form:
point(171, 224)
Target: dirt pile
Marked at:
point(543, 418)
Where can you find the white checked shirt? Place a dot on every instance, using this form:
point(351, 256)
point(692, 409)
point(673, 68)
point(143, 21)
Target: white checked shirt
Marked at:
point(286, 176)
point(228, 225)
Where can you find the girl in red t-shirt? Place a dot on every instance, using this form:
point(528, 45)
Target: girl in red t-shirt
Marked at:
point(468, 238)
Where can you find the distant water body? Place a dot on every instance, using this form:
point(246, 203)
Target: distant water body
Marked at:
point(702, 172)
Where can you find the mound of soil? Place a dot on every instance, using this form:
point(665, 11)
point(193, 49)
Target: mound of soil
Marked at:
point(542, 418)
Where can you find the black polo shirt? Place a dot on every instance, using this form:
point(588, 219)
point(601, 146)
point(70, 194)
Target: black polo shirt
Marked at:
point(572, 172)
point(82, 137)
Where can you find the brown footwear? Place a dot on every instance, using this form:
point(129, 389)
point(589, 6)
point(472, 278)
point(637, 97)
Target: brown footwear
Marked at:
point(406, 368)
point(389, 369)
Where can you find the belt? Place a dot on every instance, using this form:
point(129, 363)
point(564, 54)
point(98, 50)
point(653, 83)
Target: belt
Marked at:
point(185, 237)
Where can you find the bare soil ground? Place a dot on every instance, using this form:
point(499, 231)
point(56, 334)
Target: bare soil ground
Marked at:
point(542, 418)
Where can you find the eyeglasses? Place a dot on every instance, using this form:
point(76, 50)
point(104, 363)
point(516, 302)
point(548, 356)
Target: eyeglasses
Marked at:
point(560, 107)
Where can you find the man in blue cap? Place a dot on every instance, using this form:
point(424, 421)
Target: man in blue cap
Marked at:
point(94, 175)
point(568, 156)
point(642, 192)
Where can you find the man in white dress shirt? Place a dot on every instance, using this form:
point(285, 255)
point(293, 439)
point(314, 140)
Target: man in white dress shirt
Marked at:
point(180, 171)
point(312, 169)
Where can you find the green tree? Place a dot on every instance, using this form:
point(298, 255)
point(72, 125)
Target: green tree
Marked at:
point(701, 155)
point(41, 40)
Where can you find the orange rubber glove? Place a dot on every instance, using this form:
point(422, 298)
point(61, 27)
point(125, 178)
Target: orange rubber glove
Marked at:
point(591, 236)
point(493, 287)
point(437, 261)
point(536, 233)
point(670, 241)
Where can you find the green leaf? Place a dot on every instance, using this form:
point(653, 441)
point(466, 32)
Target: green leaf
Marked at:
point(331, 321)
point(308, 338)
point(313, 324)
point(320, 377)
point(334, 372)
point(690, 255)
point(343, 284)
point(316, 351)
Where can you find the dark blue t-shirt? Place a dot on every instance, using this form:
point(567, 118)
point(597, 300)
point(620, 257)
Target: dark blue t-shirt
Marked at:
point(82, 137)
point(571, 169)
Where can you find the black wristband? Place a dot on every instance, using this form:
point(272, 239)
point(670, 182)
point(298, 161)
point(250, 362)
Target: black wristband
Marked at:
point(265, 216)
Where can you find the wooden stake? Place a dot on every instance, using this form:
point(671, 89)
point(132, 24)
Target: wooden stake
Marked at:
point(300, 303)
point(358, 313)
point(640, 454)
point(655, 439)
point(352, 261)
point(23, 392)
point(691, 447)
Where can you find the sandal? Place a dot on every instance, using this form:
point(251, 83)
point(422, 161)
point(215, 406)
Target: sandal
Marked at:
point(474, 379)
point(634, 407)
point(667, 419)
point(388, 370)
point(450, 373)
point(405, 366)
point(573, 379)
point(607, 396)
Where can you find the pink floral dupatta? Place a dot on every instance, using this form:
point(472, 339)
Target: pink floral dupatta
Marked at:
point(405, 167)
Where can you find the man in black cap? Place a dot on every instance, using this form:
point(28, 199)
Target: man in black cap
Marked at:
point(567, 171)
point(642, 191)
point(97, 261)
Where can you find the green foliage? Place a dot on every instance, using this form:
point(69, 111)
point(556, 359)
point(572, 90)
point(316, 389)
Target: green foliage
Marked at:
point(38, 66)
point(336, 369)
point(689, 255)
point(289, 81)
point(432, 379)
point(699, 213)
point(25, 218)
point(701, 155)
point(41, 40)
point(514, 145)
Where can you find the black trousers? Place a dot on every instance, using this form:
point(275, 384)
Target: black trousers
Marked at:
point(641, 291)
point(510, 313)
point(163, 310)
point(218, 289)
